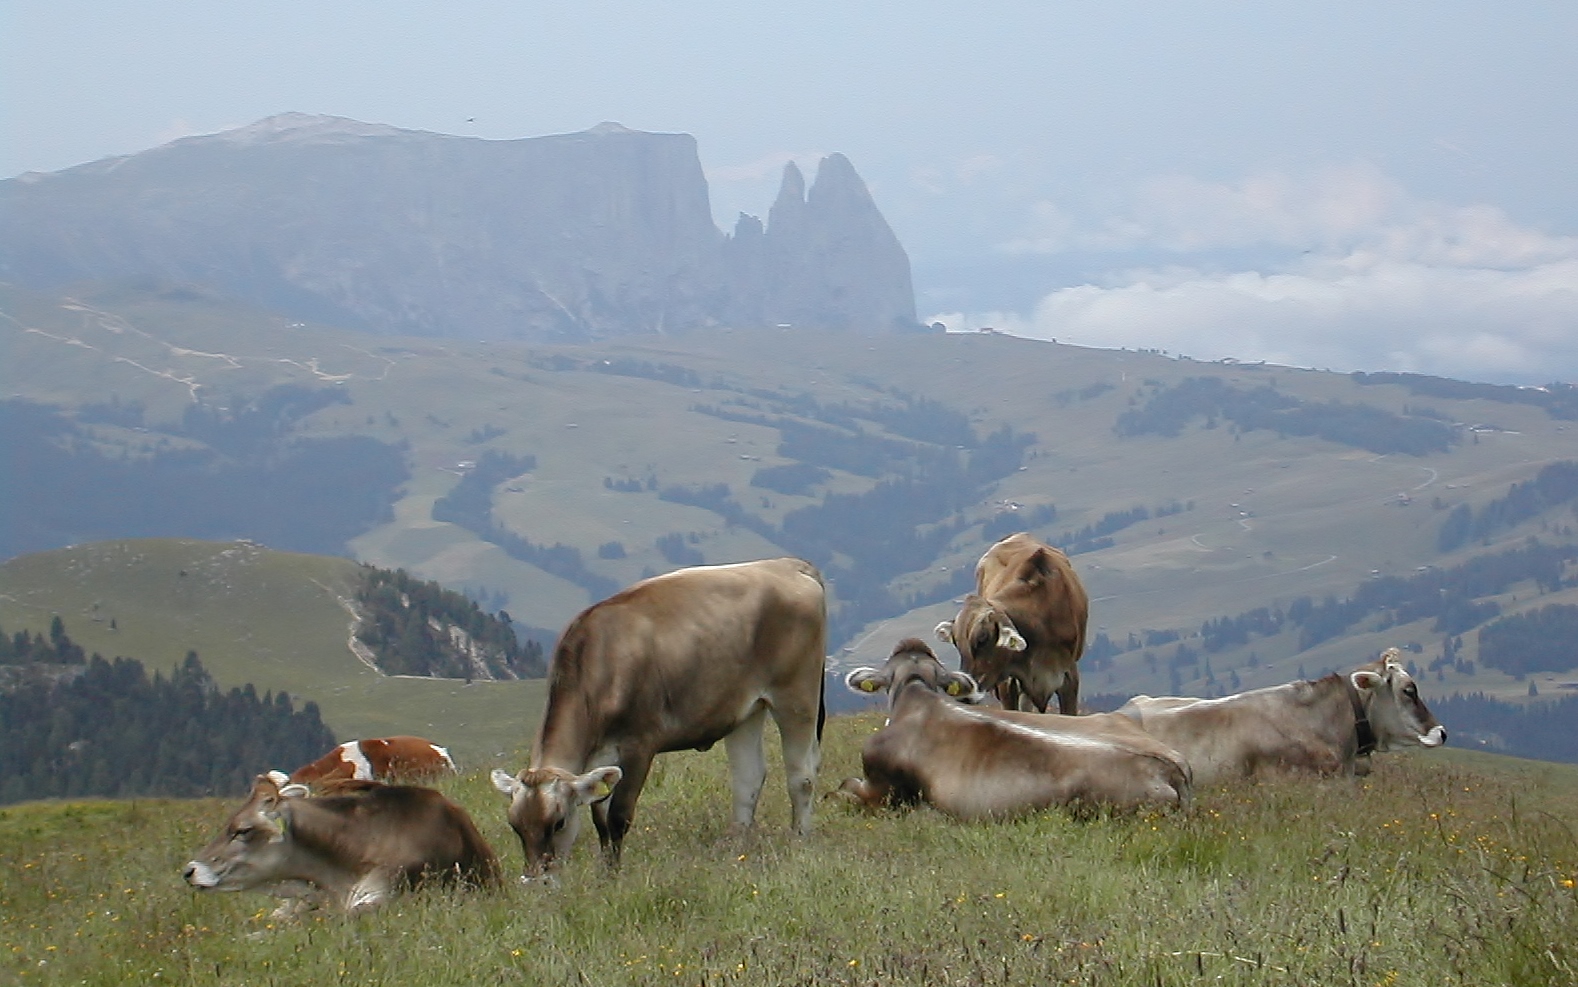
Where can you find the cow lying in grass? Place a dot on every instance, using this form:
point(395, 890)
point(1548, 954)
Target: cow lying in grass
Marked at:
point(386, 759)
point(1328, 726)
point(355, 849)
point(972, 763)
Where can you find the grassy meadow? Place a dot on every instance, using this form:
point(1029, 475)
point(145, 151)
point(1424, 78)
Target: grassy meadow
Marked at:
point(1442, 867)
point(275, 619)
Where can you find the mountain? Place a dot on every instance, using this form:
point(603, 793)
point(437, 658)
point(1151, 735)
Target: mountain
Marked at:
point(1236, 525)
point(568, 237)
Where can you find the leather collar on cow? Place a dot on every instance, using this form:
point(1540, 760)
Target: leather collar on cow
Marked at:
point(1363, 732)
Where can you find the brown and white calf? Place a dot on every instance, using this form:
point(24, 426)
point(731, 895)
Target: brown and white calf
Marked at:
point(1022, 632)
point(1328, 726)
point(675, 662)
point(384, 759)
point(975, 763)
point(355, 849)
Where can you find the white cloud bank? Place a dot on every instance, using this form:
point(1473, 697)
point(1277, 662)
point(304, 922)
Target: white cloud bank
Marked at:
point(1382, 281)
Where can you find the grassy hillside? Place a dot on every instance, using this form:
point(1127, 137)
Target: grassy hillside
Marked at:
point(1261, 520)
point(276, 619)
point(1440, 868)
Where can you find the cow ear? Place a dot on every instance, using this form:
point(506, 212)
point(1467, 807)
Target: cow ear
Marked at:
point(1008, 636)
point(265, 792)
point(944, 631)
point(865, 680)
point(962, 687)
point(1365, 680)
point(506, 783)
point(596, 785)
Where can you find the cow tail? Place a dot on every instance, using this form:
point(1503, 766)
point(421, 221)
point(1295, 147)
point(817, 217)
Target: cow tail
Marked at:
point(821, 708)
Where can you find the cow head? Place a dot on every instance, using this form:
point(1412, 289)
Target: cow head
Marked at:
point(1397, 715)
point(913, 661)
point(252, 848)
point(544, 811)
point(986, 639)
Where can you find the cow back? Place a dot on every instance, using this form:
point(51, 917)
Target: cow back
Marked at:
point(415, 830)
point(678, 660)
point(974, 763)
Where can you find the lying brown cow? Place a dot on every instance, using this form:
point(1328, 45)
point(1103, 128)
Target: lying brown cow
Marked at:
point(675, 662)
point(1022, 631)
point(376, 759)
point(355, 849)
point(1329, 726)
point(973, 763)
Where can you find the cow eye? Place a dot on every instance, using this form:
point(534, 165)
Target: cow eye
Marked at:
point(1411, 690)
point(242, 832)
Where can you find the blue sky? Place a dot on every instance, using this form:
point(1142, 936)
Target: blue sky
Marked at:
point(1346, 185)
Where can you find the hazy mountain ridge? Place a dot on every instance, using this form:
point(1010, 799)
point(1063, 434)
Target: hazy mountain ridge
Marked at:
point(573, 236)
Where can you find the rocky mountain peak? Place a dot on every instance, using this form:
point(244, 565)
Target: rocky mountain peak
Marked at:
point(565, 237)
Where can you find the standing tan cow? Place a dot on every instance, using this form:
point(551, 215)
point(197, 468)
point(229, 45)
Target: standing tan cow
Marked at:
point(976, 763)
point(1328, 726)
point(1022, 632)
point(357, 848)
point(675, 662)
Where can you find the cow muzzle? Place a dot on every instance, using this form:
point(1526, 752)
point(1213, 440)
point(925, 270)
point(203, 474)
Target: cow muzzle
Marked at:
point(1435, 738)
point(200, 875)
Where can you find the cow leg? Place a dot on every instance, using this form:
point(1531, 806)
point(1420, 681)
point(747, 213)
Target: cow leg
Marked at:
point(621, 812)
point(747, 766)
point(371, 891)
point(868, 794)
point(1068, 694)
point(600, 820)
point(802, 758)
point(1013, 696)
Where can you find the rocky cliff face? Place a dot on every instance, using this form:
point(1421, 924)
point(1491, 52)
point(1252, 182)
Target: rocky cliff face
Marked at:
point(567, 237)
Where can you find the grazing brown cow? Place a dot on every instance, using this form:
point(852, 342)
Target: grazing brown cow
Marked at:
point(378, 759)
point(973, 763)
point(1328, 726)
point(1022, 631)
point(675, 662)
point(356, 849)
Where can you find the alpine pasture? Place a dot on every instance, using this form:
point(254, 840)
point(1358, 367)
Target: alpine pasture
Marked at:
point(1441, 867)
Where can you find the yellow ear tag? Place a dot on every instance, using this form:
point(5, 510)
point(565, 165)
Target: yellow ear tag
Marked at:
point(954, 688)
point(603, 788)
point(869, 685)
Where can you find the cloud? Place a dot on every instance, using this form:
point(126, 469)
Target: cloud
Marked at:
point(1377, 281)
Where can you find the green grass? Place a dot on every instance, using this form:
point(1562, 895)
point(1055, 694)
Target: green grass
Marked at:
point(1441, 868)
